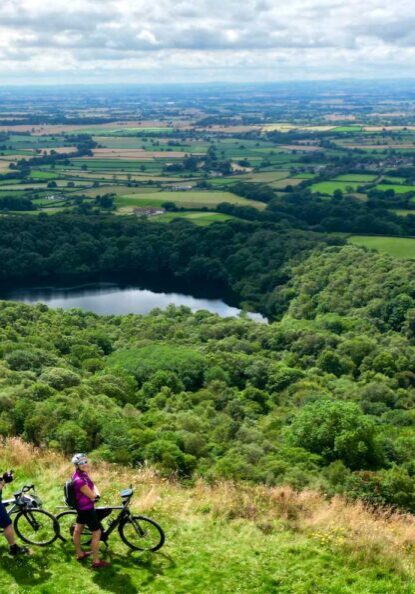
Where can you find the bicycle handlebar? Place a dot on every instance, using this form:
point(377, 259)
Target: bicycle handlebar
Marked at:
point(25, 489)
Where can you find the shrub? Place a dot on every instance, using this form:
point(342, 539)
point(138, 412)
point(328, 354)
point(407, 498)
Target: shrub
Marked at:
point(60, 378)
point(337, 430)
point(188, 364)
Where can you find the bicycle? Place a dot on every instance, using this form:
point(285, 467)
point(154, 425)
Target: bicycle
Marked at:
point(32, 524)
point(137, 532)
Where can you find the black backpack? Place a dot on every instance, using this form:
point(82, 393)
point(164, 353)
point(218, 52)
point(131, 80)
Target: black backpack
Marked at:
point(69, 494)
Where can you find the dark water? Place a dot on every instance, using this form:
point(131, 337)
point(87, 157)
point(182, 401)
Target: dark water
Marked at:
point(112, 298)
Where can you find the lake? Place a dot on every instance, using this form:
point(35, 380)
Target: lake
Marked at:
point(115, 299)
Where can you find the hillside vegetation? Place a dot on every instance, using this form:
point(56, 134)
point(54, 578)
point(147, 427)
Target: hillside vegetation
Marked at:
point(222, 538)
point(323, 399)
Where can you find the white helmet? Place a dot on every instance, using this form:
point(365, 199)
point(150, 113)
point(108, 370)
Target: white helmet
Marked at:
point(79, 459)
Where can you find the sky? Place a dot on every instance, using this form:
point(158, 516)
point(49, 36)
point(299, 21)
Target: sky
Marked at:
point(142, 41)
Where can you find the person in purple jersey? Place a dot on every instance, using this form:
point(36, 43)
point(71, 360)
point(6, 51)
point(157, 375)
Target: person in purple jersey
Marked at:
point(86, 494)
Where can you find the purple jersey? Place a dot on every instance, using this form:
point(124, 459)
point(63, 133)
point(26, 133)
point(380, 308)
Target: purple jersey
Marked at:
point(80, 479)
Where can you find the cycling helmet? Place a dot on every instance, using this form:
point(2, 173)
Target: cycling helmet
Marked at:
point(79, 459)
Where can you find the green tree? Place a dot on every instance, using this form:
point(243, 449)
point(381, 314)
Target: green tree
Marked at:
point(337, 430)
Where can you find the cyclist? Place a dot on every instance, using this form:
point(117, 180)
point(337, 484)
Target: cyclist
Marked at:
point(5, 521)
point(86, 494)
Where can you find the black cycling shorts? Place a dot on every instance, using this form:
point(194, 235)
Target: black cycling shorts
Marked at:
point(4, 517)
point(88, 517)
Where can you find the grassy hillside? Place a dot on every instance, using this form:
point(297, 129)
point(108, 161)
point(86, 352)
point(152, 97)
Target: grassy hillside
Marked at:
point(224, 538)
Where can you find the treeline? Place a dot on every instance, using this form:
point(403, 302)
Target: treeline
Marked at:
point(253, 191)
point(245, 259)
point(84, 145)
point(308, 211)
point(342, 214)
point(16, 203)
point(322, 398)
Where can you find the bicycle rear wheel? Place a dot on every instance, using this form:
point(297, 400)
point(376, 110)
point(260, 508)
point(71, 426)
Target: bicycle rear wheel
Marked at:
point(141, 534)
point(37, 527)
point(67, 521)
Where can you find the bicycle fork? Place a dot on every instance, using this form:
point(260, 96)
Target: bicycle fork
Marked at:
point(32, 521)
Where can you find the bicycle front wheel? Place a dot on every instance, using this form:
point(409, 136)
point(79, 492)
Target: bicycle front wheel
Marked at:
point(141, 534)
point(37, 527)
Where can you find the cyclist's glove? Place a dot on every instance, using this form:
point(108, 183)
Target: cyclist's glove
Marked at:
point(8, 476)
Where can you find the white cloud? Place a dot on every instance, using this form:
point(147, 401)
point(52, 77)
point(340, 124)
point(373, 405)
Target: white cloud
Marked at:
point(206, 39)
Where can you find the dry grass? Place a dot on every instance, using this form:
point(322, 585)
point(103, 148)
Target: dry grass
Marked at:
point(61, 150)
point(365, 533)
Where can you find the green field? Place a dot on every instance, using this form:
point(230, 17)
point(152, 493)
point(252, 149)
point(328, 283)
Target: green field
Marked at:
point(39, 174)
point(119, 190)
point(403, 212)
point(191, 199)
point(398, 189)
point(348, 129)
point(360, 178)
point(393, 180)
point(329, 187)
point(399, 247)
point(202, 219)
point(305, 175)
point(264, 177)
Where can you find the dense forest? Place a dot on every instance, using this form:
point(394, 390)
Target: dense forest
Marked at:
point(301, 209)
point(323, 397)
point(244, 259)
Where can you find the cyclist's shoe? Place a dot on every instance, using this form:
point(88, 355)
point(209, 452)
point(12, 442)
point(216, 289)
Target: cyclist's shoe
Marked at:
point(85, 555)
point(17, 550)
point(99, 564)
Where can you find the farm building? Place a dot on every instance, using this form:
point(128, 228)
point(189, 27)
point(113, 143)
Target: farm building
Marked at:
point(181, 188)
point(54, 197)
point(148, 211)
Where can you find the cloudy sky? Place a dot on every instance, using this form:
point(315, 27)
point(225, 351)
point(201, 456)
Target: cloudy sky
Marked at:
point(204, 40)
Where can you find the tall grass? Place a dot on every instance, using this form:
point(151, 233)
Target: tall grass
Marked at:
point(381, 536)
point(221, 539)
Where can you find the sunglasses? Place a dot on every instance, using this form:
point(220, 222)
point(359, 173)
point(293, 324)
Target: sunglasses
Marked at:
point(83, 463)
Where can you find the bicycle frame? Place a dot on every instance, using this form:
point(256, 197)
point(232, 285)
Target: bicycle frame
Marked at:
point(115, 522)
point(126, 522)
point(124, 512)
point(17, 507)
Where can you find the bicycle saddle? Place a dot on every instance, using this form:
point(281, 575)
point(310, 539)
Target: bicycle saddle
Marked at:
point(126, 493)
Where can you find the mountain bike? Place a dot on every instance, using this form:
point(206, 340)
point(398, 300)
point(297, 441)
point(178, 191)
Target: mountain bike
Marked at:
point(137, 532)
point(32, 524)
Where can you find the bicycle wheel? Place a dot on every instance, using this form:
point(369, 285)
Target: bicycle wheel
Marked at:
point(36, 527)
point(66, 521)
point(141, 534)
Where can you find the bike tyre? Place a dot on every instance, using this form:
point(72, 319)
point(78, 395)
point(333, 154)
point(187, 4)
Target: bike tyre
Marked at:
point(142, 519)
point(20, 531)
